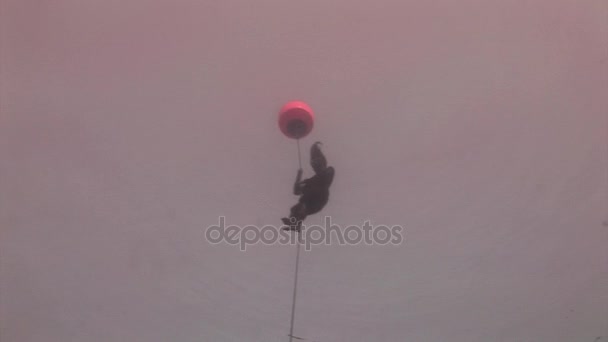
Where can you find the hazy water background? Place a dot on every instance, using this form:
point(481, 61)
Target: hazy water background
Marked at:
point(127, 127)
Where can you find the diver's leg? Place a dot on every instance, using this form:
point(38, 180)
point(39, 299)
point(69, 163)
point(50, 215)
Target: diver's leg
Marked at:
point(296, 216)
point(292, 224)
point(299, 210)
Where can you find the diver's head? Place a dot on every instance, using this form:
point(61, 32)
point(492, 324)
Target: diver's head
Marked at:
point(317, 159)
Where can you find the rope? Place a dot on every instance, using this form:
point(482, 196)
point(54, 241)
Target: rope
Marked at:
point(295, 281)
point(295, 288)
point(299, 155)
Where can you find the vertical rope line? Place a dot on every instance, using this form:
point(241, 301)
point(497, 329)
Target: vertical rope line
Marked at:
point(299, 156)
point(295, 281)
point(295, 288)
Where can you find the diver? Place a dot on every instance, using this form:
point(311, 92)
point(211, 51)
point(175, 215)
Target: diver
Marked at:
point(313, 192)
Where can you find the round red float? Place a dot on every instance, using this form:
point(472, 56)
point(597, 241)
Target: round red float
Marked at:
point(296, 119)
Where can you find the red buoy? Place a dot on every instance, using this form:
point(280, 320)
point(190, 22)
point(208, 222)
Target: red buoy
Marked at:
point(296, 119)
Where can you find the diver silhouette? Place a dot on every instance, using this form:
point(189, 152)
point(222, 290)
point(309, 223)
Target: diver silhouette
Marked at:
point(313, 192)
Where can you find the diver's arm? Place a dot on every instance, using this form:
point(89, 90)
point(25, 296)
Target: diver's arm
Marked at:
point(297, 186)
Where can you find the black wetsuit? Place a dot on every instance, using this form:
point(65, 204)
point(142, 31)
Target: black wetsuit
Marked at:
point(314, 194)
point(315, 191)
